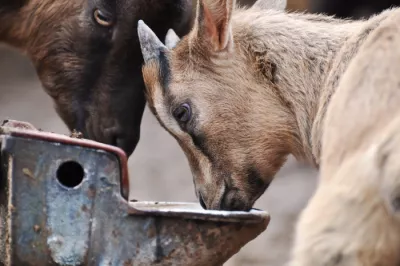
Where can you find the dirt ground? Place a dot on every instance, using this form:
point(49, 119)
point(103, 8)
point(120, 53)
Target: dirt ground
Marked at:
point(158, 169)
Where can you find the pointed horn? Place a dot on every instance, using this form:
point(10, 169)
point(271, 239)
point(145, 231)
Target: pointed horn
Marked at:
point(172, 39)
point(149, 42)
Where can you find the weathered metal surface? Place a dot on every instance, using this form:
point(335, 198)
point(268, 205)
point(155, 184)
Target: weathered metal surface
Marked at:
point(63, 202)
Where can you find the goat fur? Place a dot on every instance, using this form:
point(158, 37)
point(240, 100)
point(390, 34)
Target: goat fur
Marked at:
point(91, 71)
point(263, 84)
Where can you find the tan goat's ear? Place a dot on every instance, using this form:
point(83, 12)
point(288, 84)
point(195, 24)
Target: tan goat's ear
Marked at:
point(171, 39)
point(213, 21)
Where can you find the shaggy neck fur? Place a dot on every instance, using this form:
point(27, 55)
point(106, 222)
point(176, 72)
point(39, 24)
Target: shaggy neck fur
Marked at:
point(297, 53)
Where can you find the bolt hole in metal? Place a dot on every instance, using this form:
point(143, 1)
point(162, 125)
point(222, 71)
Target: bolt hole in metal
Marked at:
point(70, 174)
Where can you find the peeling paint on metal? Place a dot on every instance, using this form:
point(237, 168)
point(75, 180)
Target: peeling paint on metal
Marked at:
point(92, 223)
point(3, 232)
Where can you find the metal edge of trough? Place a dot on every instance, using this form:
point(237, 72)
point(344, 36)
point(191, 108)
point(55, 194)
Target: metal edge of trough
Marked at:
point(27, 130)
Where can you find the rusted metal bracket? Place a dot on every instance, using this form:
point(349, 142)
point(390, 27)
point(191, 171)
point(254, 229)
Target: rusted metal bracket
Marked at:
point(63, 201)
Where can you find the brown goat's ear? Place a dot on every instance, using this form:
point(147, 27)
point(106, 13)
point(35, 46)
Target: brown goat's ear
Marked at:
point(213, 20)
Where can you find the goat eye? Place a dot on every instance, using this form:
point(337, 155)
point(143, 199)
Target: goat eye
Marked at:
point(183, 113)
point(102, 19)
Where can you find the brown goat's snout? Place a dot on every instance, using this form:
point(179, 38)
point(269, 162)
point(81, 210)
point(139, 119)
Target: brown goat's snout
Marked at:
point(112, 135)
point(126, 143)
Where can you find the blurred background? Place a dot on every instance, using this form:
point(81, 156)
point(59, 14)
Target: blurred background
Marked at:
point(159, 170)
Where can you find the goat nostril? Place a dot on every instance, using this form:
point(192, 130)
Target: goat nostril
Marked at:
point(202, 204)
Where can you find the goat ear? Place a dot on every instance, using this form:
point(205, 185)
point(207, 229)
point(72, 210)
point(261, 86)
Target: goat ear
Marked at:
point(149, 43)
point(172, 39)
point(213, 22)
point(271, 4)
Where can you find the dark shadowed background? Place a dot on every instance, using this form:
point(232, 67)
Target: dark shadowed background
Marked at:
point(158, 168)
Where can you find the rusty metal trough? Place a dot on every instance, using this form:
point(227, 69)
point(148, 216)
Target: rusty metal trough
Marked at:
point(63, 201)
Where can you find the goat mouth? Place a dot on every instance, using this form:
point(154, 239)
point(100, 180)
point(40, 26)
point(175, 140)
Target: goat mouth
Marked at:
point(201, 200)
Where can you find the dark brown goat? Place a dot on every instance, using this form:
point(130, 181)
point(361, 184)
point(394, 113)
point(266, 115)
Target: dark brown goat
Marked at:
point(87, 56)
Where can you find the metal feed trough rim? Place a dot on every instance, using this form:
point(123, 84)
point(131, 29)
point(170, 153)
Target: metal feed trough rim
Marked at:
point(44, 220)
point(195, 211)
point(186, 210)
point(27, 130)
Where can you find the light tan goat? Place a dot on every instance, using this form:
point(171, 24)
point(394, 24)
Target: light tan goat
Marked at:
point(347, 222)
point(246, 88)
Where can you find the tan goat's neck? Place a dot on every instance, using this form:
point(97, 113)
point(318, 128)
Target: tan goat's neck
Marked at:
point(28, 28)
point(301, 49)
